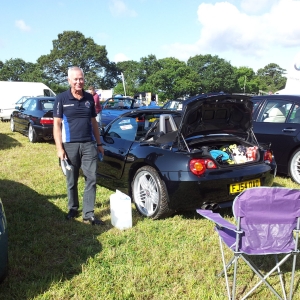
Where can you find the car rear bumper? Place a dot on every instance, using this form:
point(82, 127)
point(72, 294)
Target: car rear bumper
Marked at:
point(45, 132)
point(188, 192)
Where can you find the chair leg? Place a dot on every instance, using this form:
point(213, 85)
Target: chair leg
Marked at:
point(236, 257)
point(263, 278)
point(224, 268)
point(227, 266)
point(293, 275)
point(280, 277)
point(295, 253)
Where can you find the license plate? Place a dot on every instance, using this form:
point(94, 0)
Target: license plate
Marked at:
point(241, 186)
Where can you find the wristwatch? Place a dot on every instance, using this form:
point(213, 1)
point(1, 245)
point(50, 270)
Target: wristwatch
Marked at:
point(99, 145)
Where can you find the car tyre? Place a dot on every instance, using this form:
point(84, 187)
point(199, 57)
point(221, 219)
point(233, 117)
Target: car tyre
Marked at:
point(150, 194)
point(32, 136)
point(12, 124)
point(294, 166)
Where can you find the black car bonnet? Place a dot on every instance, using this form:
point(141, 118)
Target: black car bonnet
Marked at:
point(216, 114)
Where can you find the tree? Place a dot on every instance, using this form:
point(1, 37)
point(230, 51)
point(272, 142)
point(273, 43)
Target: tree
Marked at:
point(148, 66)
point(136, 75)
point(216, 74)
point(247, 80)
point(271, 78)
point(19, 70)
point(131, 72)
point(174, 79)
point(73, 49)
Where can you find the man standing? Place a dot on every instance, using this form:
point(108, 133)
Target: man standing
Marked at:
point(75, 130)
point(97, 104)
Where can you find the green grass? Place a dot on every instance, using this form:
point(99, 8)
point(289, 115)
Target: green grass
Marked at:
point(51, 258)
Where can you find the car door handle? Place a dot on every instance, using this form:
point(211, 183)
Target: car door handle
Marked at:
point(289, 129)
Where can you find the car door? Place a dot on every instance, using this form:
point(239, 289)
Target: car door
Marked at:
point(20, 115)
point(28, 112)
point(276, 123)
point(117, 140)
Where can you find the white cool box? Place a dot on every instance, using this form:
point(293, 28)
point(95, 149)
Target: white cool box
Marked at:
point(120, 210)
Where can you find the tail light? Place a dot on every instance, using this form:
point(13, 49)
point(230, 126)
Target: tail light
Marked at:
point(47, 121)
point(268, 156)
point(199, 166)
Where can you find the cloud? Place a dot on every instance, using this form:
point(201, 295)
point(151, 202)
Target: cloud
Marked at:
point(256, 6)
point(227, 28)
point(120, 57)
point(22, 26)
point(119, 8)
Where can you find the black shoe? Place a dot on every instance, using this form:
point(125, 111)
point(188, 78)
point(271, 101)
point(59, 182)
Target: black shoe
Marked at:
point(72, 214)
point(93, 221)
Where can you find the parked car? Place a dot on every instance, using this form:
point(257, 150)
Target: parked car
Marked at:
point(170, 160)
point(113, 107)
point(276, 121)
point(3, 244)
point(174, 104)
point(5, 113)
point(34, 118)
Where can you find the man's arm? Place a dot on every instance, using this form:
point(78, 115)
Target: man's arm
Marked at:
point(58, 138)
point(97, 135)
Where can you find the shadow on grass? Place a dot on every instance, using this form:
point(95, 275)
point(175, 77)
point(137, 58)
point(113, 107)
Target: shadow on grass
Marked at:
point(44, 248)
point(7, 142)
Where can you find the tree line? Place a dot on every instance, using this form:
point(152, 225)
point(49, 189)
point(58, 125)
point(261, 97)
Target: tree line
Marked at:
point(169, 77)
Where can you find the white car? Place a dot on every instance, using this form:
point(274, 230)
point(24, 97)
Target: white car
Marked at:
point(5, 113)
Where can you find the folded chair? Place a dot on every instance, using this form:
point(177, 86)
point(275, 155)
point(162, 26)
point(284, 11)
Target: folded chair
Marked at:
point(267, 223)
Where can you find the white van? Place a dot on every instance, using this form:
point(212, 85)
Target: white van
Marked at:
point(292, 86)
point(14, 91)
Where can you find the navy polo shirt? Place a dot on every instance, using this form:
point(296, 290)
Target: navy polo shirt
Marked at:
point(76, 116)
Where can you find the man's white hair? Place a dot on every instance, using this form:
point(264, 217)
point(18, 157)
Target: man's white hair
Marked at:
point(71, 69)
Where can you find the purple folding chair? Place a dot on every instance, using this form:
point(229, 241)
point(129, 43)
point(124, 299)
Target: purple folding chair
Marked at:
point(267, 223)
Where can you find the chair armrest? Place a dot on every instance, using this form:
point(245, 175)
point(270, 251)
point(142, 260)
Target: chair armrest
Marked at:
point(216, 218)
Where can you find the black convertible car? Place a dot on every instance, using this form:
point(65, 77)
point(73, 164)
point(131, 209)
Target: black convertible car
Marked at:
point(169, 160)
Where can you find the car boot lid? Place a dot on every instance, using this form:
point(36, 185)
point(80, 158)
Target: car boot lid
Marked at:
point(216, 114)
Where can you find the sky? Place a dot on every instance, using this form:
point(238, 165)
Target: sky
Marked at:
point(250, 33)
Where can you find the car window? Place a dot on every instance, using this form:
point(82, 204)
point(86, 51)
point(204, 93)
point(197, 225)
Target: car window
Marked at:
point(295, 115)
point(47, 105)
point(27, 104)
point(275, 111)
point(22, 100)
point(255, 103)
point(33, 105)
point(124, 128)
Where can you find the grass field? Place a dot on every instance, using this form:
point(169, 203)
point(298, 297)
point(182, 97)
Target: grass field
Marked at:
point(51, 258)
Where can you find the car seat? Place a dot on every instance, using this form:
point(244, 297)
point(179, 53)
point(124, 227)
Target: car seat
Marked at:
point(276, 115)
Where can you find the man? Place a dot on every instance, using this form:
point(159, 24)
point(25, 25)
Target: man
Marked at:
point(75, 130)
point(97, 104)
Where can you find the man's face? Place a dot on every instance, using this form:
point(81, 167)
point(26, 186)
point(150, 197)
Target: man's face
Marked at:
point(76, 80)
